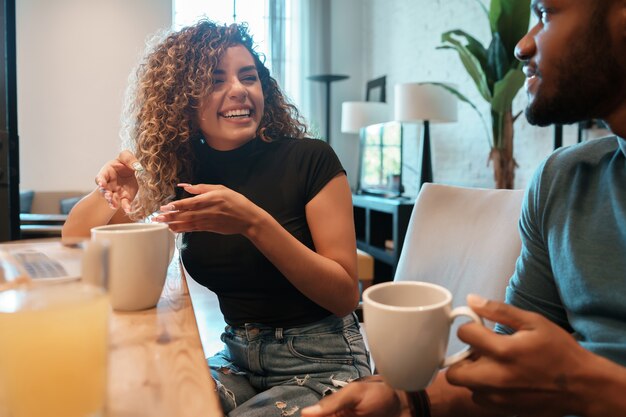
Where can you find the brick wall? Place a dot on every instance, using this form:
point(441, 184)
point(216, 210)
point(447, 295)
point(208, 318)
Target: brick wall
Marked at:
point(399, 40)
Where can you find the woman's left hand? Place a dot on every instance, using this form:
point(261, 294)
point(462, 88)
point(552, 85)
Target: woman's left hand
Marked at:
point(214, 208)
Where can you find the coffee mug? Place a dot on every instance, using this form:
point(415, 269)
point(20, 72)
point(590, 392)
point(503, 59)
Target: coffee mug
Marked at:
point(138, 257)
point(407, 326)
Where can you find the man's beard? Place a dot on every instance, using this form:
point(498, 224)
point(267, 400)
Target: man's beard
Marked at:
point(588, 79)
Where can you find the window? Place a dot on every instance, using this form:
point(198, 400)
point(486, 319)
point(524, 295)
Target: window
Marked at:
point(253, 12)
point(256, 14)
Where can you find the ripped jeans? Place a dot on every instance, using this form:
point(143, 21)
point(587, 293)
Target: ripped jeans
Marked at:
point(266, 371)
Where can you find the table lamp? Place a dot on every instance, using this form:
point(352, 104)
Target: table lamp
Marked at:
point(356, 115)
point(427, 103)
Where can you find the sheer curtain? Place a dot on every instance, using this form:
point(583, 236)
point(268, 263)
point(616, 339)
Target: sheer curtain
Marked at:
point(311, 51)
point(277, 32)
point(299, 35)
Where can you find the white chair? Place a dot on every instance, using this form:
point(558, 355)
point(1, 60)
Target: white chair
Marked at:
point(464, 239)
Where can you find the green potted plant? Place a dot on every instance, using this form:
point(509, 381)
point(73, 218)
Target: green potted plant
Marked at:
point(497, 75)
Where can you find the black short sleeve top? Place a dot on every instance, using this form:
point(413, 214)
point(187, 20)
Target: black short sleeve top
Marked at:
point(281, 177)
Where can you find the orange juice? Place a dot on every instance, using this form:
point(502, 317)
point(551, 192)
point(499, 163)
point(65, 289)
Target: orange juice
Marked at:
point(53, 351)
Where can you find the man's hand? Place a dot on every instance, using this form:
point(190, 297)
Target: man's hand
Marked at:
point(539, 370)
point(370, 398)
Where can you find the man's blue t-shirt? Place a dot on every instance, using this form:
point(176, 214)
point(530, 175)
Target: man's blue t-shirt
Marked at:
point(572, 267)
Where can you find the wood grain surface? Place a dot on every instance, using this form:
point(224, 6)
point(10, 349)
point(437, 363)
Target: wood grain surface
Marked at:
point(157, 367)
point(156, 362)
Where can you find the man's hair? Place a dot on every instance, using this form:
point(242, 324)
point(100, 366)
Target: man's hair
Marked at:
point(599, 14)
point(171, 81)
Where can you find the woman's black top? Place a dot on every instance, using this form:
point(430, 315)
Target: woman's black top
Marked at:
point(281, 177)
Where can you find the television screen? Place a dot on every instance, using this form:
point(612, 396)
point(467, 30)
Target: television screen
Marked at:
point(380, 165)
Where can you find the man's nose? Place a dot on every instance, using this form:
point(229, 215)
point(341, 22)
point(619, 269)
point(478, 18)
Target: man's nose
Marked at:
point(526, 47)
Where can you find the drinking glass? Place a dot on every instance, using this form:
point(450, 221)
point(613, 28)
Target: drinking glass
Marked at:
point(53, 350)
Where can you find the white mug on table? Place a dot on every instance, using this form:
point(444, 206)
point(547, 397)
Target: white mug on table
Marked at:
point(139, 255)
point(407, 326)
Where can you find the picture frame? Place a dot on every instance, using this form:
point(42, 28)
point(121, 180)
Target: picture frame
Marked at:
point(376, 89)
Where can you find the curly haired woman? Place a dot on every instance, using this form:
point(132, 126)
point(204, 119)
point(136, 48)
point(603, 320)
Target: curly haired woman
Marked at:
point(265, 216)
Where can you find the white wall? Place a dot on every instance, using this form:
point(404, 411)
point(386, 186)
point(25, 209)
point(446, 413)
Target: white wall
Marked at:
point(398, 39)
point(73, 62)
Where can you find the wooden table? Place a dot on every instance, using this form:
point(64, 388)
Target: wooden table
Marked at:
point(156, 363)
point(157, 366)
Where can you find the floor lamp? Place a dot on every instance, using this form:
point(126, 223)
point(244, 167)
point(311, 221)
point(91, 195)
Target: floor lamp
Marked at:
point(427, 103)
point(327, 79)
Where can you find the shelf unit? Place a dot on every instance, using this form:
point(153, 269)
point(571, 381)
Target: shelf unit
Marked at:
point(380, 225)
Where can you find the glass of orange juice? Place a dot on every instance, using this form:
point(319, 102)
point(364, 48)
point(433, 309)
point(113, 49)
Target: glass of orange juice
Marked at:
point(53, 350)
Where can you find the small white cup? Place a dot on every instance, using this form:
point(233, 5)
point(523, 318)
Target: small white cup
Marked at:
point(407, 326)
point(139, 255)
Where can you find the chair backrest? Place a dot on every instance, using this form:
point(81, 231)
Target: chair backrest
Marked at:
point(464, 239)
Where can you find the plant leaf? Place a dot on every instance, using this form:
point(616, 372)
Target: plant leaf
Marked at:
point(497, 58)
point(506, 89)
point(510, 18)
point(495, 9)
point(477, 49)
point(471, 64)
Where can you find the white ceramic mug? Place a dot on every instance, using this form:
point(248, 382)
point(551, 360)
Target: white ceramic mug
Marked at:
point(139, 255)
point(407, 326)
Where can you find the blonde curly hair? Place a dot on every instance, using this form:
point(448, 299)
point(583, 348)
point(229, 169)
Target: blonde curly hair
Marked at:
point(165, 91)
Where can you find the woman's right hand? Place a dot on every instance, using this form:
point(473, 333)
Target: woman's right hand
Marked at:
point(117, 181)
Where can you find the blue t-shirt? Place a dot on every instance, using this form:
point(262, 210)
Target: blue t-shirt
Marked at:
point(572, 267)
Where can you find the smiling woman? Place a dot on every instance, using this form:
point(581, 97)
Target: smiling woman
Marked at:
point(265, 215)
point(165, 117)
point(231, 114)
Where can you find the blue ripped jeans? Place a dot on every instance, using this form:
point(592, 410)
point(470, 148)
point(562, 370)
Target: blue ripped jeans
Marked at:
point(266, 371)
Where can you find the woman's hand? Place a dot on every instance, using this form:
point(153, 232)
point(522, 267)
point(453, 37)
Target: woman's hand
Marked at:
point(117, 182)
point(118, 185)
point(214, 208)
point(326, 275)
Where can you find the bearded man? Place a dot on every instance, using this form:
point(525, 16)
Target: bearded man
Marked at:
point(560, 343)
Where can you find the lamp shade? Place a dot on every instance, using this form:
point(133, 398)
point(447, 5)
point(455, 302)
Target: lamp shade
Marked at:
point(419, 101)
point(358, 114)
